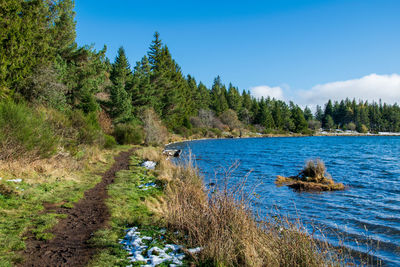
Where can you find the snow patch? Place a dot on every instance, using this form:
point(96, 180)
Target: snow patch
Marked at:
point(194, 250)
point(134, 244)
point(147, 186)
point(15, 180)
point(150, 165)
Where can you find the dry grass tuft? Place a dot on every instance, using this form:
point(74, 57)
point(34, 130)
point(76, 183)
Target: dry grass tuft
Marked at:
point(313, 177)
point(149, 153)
point(61, 167)
point(220, 221)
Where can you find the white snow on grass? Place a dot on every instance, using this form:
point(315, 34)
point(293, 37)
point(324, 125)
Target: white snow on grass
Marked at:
point(194, 250)
point(134, 243)
point(15, 180)
point(147, 186)
point(150, 165)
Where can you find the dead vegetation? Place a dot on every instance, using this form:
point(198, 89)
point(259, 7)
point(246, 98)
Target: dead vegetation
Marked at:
point(60, 167)
point(220, 221)
point(313, 177)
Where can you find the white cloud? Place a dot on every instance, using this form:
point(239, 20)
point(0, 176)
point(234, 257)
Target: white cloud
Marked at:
point(265, 91)
point(371, 87)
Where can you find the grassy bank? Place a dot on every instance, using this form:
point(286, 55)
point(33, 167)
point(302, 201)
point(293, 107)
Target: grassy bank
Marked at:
point(221, 223)
point(127, 204)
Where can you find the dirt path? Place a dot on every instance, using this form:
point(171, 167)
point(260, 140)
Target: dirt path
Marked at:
point(69, 247)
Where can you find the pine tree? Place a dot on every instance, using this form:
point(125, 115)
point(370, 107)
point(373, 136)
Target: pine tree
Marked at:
point(121, 73)
point(155, 52)
point(218, 97)
point(328, 112)
point(84, 75)
point(121, 77)
point(298, 119)
point(308, 114)
point(141, 89)
point(319, 114)
point(24, 42)
point(204, 99)
point(234, 99)
point(63, 23)
point(121, 103)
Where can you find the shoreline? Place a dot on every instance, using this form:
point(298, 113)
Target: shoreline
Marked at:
point(288, 136)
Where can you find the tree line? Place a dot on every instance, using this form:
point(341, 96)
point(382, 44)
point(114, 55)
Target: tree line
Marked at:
point(41, 63)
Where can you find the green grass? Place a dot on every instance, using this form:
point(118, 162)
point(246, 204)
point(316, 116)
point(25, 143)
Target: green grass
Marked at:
point(22, 213)
point(127, 207)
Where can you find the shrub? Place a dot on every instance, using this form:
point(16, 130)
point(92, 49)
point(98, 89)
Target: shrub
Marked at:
point(109, 141)
point(314, 169)
point(24, 132)
point(229, 117)
point(155, 132)
point(206, 118)
point(128, 133)
point(351, 126)
point(196, 122)
point(216, 131)
point(105, 122)
point(44, 87)
point(87, 126)
point(314, 125)
point(361, 128)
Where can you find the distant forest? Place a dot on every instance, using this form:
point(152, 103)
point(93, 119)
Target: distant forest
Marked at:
point(42, 65)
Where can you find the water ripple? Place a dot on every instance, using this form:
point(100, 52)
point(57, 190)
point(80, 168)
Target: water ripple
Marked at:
point(369, 210)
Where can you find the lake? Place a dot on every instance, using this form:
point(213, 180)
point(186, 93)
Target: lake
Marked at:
point(370, 165)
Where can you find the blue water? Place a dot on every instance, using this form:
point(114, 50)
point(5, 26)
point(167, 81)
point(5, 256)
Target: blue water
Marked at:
point(370, 166)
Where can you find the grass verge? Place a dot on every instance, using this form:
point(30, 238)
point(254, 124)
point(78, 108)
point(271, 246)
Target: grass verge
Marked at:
point(128, 204)
point(38, 187)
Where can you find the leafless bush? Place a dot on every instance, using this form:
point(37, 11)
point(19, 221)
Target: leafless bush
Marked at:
point(314, 125)
point(206, 117)
point(230, 118)
point(155, 131)
point(196, 122)
point(105, 122)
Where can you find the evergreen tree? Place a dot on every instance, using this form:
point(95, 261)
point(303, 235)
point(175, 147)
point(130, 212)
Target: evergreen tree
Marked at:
point(121, 77)
point(204, 100)
point(84, 75)
point(121, 73)
point(121, 106)
point(308, 114)
point(319, 114)
point(141, 89)
point(24, 42)
point(328, 112)
point(329, 124)
point(218, 96)
point(63, 32)
point(246, 100)
point(155, 52)
point(234, 99)
point(299, 121)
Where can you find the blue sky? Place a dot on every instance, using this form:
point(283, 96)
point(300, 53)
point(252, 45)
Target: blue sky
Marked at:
point(299, 50)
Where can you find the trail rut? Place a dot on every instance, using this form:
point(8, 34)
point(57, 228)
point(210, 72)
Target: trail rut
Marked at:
point(70, 246)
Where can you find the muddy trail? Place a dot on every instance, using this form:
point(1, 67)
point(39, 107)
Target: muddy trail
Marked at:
point(70, 246)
